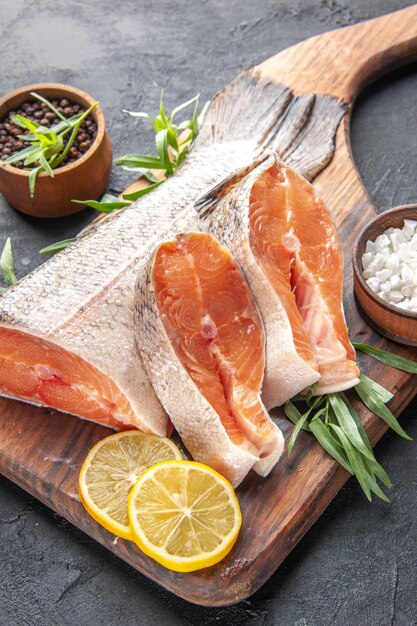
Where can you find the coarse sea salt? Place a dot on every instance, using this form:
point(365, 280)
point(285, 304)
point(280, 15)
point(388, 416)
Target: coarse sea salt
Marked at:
point(389, 266)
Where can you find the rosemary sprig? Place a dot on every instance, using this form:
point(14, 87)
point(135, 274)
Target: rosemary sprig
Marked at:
point(47, 146)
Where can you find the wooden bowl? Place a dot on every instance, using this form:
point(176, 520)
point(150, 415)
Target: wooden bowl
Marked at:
point(84, 179)
point(385, 318)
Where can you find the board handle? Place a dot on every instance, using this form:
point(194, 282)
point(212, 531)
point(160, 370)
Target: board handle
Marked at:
point(341, 62)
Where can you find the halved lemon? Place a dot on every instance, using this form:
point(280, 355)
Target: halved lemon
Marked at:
point(184, 515)
point(110, 470)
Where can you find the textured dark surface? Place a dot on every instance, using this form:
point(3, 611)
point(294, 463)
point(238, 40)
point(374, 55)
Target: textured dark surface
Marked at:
point(357, 565)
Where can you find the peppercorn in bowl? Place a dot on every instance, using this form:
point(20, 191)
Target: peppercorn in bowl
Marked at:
point(54, 148)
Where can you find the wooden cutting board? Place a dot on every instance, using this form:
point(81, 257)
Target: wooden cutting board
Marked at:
point(42, 450)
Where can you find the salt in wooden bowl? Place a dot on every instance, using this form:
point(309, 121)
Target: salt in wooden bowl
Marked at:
point(387, 319)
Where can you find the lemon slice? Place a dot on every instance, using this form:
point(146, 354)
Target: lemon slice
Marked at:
point(184, 515)
point(110, 470)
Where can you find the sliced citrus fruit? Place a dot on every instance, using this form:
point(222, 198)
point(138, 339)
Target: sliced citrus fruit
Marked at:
point(110, 470)
point(184, 515)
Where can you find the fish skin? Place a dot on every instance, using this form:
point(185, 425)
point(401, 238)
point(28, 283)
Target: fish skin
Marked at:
point(82, 299)
point(46, 370)
point(90, 311)
point(194, 418)
point(286, 373)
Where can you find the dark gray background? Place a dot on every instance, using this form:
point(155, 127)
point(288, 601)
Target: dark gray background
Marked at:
point(357, 565)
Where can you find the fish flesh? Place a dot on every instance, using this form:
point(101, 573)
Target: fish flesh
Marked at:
point(239, 222)
point(79, 304)
point(285, 241)
point(67, 381)
point(294, 237)
point(202, 345)
point(316, 260)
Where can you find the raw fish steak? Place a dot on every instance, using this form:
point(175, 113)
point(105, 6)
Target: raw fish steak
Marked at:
point(202, 344)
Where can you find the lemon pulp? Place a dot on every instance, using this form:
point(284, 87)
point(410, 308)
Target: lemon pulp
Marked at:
point(111, 469)
point(184, 515)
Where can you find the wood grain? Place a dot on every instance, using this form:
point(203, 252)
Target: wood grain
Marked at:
point(42, 450)
point(340, 62)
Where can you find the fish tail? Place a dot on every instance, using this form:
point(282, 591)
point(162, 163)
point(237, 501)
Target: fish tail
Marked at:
point(299, 130)
point(306, 138)
point(249, 107)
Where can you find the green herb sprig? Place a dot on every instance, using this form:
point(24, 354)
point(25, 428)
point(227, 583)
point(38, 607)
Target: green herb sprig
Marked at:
point(171, 147)
point(333, 421)
point(48, 147)
point(337, 427)
point(393, 360)
point(57, 246)
point(7, 266)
